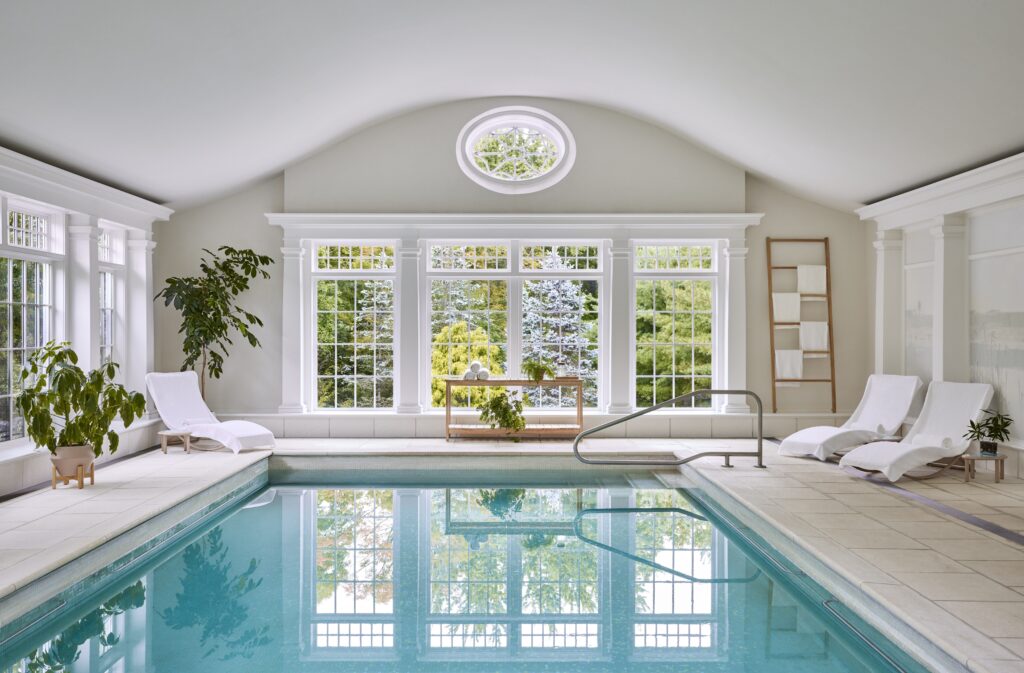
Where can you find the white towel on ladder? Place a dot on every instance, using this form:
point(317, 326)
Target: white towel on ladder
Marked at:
point(814, 337)
point(810, 279)
point(789, 364)
point(786, 306)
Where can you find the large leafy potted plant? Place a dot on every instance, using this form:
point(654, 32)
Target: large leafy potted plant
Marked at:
point(70, 411)
point(209, 309)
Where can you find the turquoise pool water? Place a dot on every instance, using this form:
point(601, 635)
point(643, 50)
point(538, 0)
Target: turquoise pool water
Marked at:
point(590, 577)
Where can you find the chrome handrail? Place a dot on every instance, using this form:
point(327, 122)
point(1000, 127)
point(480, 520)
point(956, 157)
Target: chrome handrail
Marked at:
point(682, 461)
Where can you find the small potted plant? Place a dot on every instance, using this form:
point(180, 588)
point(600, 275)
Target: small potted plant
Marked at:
point(504, 410)
point(990, 431)
point(70, 411)
point(536, 370)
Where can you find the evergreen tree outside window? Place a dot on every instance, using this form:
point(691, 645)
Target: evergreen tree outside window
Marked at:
point(25, 324)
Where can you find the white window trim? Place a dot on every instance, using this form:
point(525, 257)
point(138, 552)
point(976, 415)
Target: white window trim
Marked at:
point(409, 234)
point(313, 274)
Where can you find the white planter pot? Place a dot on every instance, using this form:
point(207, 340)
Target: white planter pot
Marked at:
point(73, 462)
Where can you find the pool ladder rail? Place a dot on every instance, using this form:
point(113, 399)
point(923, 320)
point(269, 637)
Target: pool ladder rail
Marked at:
point(727, 455)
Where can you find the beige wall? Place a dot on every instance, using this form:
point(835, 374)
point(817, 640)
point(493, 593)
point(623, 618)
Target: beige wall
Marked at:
point(407, 165)
point(788, 216)
point(252, 377)
point(623, 165)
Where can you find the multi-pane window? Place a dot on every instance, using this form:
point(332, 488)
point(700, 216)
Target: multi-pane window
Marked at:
point(574, 257)
point(24, 327)
point(355, 343)
point(106, 336)
point(354, 567)
point(27, 230)
point(468, 257)
point(673, 318)
point(110, 247)
point(673, 257)
point(354, 325)
point(468, 322)
point(355, 257)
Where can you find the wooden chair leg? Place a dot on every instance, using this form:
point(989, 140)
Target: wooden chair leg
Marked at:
point(163, 444)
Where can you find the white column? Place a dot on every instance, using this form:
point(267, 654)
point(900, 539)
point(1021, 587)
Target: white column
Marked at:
point(735, 260)
point(293, 360)
point(951, 319)
point(619, 320)
point(83, 289)
point(139, 357)
point(407, 330)
point(889, 302)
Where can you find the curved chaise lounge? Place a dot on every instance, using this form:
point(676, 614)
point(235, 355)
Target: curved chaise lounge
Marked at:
point(181, 408)
point(935, 439)
point(883, 408)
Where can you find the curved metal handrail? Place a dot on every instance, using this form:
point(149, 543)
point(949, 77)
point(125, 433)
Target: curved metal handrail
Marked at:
point(696, 393)
point(577, 527)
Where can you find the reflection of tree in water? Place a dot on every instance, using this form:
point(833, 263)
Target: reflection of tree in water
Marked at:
point(503, 503)
point(63, 650)
point(211, 598)
point(351, 520)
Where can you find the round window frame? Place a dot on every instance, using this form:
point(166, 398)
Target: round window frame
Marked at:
point(550, 125)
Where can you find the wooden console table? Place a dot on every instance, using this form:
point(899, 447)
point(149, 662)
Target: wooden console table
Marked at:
point(532, 430)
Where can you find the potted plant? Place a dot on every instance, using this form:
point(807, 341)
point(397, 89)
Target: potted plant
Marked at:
point(990, 431)
point(70, 411)
point(504, 410)
point(536, 370)
point(209, 309)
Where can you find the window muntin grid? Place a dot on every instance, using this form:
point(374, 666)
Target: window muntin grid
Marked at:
point(110, 247)
point(355, 325)
point(468, 321)
point(675, 541)
point(560, 327)
point(346, 635)
point(25, 323)
point(559, 636)
point(468, 257)
point(673, 339)
point(672, 636)
point(335, 257)
point(106, 335)
point(673, 257)
point(354, 552)
point(569, 257)
point(458, 636)
point(28, 230)
point(515, 152)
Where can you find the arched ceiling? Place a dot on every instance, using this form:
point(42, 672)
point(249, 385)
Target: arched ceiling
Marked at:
point(844, 101)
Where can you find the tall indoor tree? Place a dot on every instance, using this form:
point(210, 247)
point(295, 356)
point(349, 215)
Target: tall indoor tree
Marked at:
point(209, 309)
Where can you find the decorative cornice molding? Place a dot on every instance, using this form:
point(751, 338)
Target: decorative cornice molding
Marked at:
point(998, 181)
point(737, 252)
point(293, 252)
point(26, 177)
point(541, 221)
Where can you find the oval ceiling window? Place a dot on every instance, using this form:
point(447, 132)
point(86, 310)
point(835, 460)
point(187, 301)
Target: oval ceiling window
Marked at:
point(515, 150)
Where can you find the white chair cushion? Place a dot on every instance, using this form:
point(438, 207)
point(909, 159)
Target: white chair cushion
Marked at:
point(823, 441)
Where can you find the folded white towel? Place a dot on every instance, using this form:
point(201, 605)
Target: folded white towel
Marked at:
point(810, 279)
point(789, 364)
point(814, 336)
point(786, 306)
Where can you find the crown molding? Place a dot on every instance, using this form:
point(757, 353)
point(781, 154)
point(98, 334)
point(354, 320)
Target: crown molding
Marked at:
point(491, 225)
point(989, 184)
point(22, 176)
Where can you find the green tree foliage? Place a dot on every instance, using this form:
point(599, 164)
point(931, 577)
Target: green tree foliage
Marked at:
point(455, 346)
point(515, 153)
point(673, 339)
point(209, 309)
point(350, 520)
point(56, 391)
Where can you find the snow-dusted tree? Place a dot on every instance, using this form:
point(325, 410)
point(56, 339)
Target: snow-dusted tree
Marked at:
point(560, 328)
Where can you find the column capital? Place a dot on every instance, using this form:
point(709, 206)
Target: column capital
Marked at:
point(80, 231)
point(736, 252)
point(617, 252)
point(293, 252)
point(140, 244)
point(949, 226)
point(888, 239)
point(410, 252)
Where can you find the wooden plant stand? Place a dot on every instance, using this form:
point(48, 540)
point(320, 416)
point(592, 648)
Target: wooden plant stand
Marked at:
point(80, 474)
point(532, 430)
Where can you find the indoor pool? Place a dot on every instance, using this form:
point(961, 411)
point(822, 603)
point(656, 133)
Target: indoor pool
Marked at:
point(592, 577)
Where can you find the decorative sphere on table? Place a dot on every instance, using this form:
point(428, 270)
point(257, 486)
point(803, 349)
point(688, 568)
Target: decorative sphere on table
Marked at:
point(469, 375)
point(483, 374)
point(475, 366)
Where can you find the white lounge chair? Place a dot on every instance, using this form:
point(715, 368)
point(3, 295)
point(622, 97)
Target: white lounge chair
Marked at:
point(881, 412)
point(181, 407)
point(937, 435)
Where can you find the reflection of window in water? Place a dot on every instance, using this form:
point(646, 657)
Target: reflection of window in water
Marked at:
point(508, 557)
point(685, 545)
point(354, 568)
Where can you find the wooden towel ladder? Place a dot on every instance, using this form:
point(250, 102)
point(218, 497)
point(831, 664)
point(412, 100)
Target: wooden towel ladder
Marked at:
point(827, 296)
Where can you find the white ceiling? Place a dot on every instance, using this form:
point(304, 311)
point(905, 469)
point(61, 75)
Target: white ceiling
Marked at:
point(842, 100)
